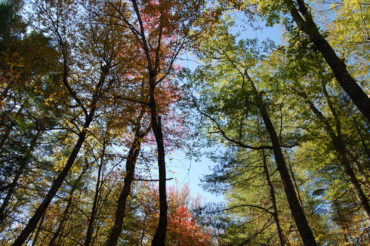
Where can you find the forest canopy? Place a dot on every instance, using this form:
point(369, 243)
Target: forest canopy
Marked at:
point(96, 96)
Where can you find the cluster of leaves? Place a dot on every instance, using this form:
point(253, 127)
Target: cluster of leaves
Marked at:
point(89, 101)
point(76, 107)
point(323, 137)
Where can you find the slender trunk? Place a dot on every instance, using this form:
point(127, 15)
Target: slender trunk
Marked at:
point(30, 227)
point(306, 24)
point(90, 228)
point(295, 207)
point(342, 221)
point(23, 164)
point(126, 189)
point(66, 212)
point(361, 170)
point(159, 238)
point(341, 150)
point(4, 93)
point(38, 231)
point(8, 129)
point(366, 149)
point(295, 182)
point(153, 67)
point(273, 200)
point(339, 146)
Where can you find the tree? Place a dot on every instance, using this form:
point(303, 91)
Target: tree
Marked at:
point(161, 30)
point(55, 19)
point(302, 16)
point(235, 58)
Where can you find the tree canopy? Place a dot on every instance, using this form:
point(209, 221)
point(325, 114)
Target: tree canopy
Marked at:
point(95, 96)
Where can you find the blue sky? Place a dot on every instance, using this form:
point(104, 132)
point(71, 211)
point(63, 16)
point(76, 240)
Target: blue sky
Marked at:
point(188, 171)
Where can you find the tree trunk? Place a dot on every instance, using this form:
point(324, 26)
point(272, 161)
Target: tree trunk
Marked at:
point(58, 232)
point(159, 238)
point(295, 182)
point(306, 24)
point(273, 200)
point(126, 189)
point(20, 170)
point(341, 150)
point(295, 207)
point(8, 130)
point(343, 221)
point(38, 231)
point(90, 228)
point(66, 212)
point(30, 227)
point(339, 146)
point(358, 129)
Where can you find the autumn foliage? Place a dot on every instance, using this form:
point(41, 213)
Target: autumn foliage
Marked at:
point(99, 99)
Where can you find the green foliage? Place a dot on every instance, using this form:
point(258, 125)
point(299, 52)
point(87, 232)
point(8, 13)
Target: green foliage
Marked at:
point(73, 67)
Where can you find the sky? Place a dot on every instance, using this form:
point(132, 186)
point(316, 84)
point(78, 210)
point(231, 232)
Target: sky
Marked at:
point(188, 171)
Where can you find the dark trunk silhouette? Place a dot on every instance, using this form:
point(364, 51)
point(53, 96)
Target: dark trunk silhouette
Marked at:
point(306, 24)
point(58, 233)
point(30, 227)
point(339, 146)
point(35, 239)
point(295, 207)
point(12, 187)
point(160, 233)
point(90, 228)
point(126, 189)
point(342, 221)
point(273, 199)
point(295, 182)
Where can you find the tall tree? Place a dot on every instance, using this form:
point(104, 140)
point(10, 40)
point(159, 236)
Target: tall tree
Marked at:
point(56, 18)
point(161, 29)
point(239, 58)
point(304, 20)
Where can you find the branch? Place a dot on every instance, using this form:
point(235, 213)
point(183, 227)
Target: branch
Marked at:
point(142, 34)
point(244, 205)
point(151, 180)
point(240, 144)
point(62, 46)
point(130, 99)
point(265, 226)
point(171, 64)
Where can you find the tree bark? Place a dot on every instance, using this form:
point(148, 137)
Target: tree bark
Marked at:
point(66, 212)
point(273, 200)
point(32, 223)
point(341, 150)
point(126, 189)
point(90, 228)
point(159, 238)
point(340, 147)
point(306, 24)
point(20, 170)
point(295, 182)
point(295, 207)
point(38, 230)
point(342, 221)
point(30, 227)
